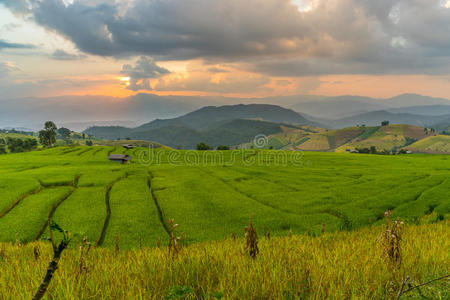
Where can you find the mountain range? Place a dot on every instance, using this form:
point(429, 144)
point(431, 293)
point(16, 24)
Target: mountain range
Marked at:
point(224, 125)
point(80, 112)
point(234, 125)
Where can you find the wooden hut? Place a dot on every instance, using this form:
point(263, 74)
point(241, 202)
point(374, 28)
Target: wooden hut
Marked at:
point(122, 158)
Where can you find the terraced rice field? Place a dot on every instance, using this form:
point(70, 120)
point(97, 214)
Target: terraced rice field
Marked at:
point(212, 194)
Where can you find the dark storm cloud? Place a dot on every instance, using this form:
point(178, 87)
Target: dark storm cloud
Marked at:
point(175, 29)
point(17, 6)
point(272, 36)
point(7, 45)
point(144, 69)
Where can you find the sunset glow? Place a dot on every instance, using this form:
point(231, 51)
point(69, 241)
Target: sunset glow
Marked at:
point(126, 80)
point(294, 47)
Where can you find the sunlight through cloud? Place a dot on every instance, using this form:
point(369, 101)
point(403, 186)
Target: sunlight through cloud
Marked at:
point(303, 5)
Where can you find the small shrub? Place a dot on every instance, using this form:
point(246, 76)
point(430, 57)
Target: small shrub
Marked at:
point(346, 223)
point(251, 238)
point(174, 241)
point(178, 292)
point(392, 237)
point(203, 146)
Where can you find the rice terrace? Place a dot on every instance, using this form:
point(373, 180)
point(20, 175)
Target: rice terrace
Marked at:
point(130, 206)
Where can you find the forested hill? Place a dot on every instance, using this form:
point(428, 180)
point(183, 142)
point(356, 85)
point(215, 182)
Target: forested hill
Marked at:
point(228, 125)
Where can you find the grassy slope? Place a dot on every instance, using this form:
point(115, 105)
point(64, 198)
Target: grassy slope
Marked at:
point(345, 265)
point(433, 144)
point(16, 136)
point(382, 137)
point(386, 137)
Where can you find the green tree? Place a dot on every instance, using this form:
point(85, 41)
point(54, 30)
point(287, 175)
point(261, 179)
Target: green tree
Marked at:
point(203, 146)
point(222, 147)
point(47, 136)
point(64, 132)
point(89, 143)
point(29, 144)
point(385, 123)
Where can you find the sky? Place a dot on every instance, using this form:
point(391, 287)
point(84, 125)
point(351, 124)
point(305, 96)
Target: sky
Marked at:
point(236, 48)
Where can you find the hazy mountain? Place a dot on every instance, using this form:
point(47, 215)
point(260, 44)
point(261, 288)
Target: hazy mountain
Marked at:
point(442, 125)
point(205, 117)
point(346, 106)
point(427, 110)
point(76, 110)
point(25, 129)
point(376, 117)
point(80, 126)
point(406, 100)
point(338, 107)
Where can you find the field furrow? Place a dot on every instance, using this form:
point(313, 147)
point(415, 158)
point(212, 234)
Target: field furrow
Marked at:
point(52, 211)
point(161, 217)
point(85, 151)
point(83, 213)
point(14, 190)
point(107, 198)
point(27, 217)
point(134, 218)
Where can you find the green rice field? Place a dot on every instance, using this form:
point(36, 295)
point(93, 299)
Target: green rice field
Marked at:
point(212, 194)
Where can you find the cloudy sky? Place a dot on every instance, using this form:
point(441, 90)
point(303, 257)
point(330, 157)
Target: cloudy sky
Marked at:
point(247, 48)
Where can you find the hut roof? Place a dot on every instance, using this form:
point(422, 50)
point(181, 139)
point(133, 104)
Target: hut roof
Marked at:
point(119, 157)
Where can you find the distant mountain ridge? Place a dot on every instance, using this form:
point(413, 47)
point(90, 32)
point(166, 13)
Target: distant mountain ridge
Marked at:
point(374, 118)
point(333, 108)
point(207, 116)
point(426, 110)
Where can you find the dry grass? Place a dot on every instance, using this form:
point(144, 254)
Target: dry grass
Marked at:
point(344, 265)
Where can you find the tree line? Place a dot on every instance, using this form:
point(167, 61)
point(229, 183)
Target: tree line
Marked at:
point(16, 145)
point(48, 137)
